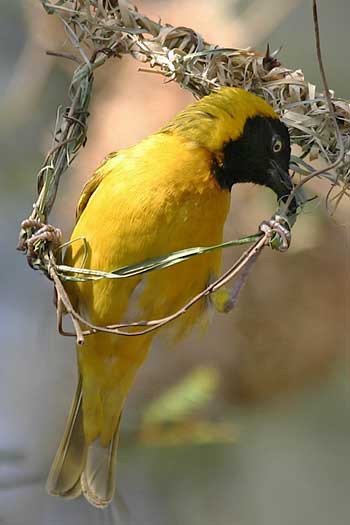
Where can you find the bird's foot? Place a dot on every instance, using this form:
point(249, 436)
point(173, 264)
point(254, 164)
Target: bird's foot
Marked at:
point(278, 233)
point(41, 233)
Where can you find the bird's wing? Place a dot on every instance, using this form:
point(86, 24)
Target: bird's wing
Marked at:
point(91, 185)
point(150, 200)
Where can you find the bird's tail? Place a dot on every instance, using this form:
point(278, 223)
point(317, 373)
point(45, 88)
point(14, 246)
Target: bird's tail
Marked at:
point(81, 468)
point(98, 476)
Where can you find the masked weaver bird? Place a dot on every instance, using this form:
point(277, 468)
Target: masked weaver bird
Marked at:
point(169, 192)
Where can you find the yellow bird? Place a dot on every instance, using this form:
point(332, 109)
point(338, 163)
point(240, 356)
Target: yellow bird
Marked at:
point(169, 192)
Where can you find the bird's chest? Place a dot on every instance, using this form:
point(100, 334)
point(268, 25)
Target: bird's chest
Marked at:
point(191, 220)
point(159, 210)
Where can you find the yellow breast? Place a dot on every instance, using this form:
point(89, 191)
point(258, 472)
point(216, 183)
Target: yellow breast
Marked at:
point(152, 199)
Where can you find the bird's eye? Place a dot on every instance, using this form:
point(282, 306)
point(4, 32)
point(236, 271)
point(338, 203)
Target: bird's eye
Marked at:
point(277, 144)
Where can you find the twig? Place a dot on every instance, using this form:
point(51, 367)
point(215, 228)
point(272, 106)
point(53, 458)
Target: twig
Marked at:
point(154, 324)
point(340, 142)
point(326, 88)
point(62, 298)
point(268, 229)
point(68, 56)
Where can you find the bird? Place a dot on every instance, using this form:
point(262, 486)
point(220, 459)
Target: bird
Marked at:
point(169, 192)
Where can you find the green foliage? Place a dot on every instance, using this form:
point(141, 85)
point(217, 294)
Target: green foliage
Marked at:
point(183, 399)
point(170, 420)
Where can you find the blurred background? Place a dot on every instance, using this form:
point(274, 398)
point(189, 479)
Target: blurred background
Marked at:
point(261, 426)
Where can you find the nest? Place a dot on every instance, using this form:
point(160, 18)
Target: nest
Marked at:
point(98, 30)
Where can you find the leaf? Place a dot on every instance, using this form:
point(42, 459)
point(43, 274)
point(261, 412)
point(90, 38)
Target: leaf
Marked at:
point(149, 265)
point(184, 398)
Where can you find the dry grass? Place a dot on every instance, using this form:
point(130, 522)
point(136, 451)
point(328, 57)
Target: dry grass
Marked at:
point(98, 30)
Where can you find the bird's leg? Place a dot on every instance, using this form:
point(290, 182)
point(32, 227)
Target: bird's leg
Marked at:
point(225, 299)
point(278, 236)
point(277, 231)
point(42, 233)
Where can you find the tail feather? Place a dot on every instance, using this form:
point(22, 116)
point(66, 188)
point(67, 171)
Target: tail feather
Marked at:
point(81, 468)
point(98, 477)
point(69, 462)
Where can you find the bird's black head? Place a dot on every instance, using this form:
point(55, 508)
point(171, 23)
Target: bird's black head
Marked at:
point(261, 156)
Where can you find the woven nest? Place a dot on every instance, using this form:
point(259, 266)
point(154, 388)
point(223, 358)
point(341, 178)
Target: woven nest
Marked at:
point(98, 30)
point(101, 29)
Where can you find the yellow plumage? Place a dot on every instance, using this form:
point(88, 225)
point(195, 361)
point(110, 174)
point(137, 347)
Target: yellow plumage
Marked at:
point(151, 199)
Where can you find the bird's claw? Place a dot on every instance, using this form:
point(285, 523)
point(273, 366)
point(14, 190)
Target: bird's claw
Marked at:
point(44, 233)
point(278, 233)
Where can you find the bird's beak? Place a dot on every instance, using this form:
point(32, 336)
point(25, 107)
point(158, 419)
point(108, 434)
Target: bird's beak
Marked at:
point(281, 183)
